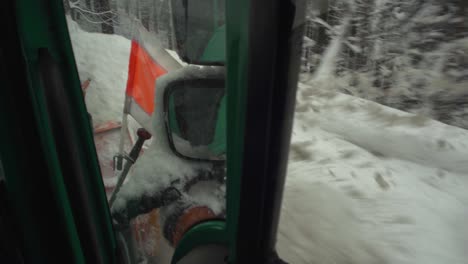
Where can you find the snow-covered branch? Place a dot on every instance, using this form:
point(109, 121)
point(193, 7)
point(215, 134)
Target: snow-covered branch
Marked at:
point(76, 6)
point(334, 32)
point(103, 17)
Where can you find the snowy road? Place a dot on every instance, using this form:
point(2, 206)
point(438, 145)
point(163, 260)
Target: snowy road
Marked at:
point(368, 180)
point(366, 183)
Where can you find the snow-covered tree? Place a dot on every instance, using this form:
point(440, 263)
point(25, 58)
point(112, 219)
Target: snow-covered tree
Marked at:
point(412, 55)
point(123, 17)
point(98, 14)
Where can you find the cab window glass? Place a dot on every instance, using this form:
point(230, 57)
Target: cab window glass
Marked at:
point(200, 37)
point(378, 155)
point(158, 120)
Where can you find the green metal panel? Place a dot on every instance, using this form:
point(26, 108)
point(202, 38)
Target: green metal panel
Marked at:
point(237, 45)
point(218, 146)
point(212, 232)
point(216, 48)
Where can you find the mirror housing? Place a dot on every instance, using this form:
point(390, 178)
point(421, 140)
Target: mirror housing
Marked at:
point(200, 31)
point(195, 118)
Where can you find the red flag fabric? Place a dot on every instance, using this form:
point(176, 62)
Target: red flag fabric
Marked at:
point(142, 74)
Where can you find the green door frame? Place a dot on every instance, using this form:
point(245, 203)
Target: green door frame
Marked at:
point(34, 191)
point(52, 108)
point(237, 52)
point(263, 54)
point(215, 232)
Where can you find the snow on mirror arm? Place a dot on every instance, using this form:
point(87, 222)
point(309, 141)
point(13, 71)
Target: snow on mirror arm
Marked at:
point(196, 119)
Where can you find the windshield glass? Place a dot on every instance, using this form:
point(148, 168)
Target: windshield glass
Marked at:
point(200, 37)
point(122, 49)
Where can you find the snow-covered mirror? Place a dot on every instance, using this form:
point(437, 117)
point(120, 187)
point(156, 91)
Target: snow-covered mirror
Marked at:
point(195, 118)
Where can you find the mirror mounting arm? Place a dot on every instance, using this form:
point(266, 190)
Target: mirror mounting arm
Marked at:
point(143, 135)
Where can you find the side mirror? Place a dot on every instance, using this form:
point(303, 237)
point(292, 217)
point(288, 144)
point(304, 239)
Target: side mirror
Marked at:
point(200, 31)
point(195, 116)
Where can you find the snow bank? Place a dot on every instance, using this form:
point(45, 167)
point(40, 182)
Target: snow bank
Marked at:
point(387, 131)
point(369, 184)
point(104, 59)
point(318, 225)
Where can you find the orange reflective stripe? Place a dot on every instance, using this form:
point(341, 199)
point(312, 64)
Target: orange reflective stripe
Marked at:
point(142, 74)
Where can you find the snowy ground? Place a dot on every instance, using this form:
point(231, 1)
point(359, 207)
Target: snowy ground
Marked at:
point(366, 183)
point(367, 180)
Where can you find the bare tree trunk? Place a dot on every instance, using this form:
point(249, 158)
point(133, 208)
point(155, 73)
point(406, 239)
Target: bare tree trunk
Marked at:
point(156, 6)
point(107, 25)
point(145, 15)
point(66, 6)
point(127, 6)
point(327, 66)
point(171, 41)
